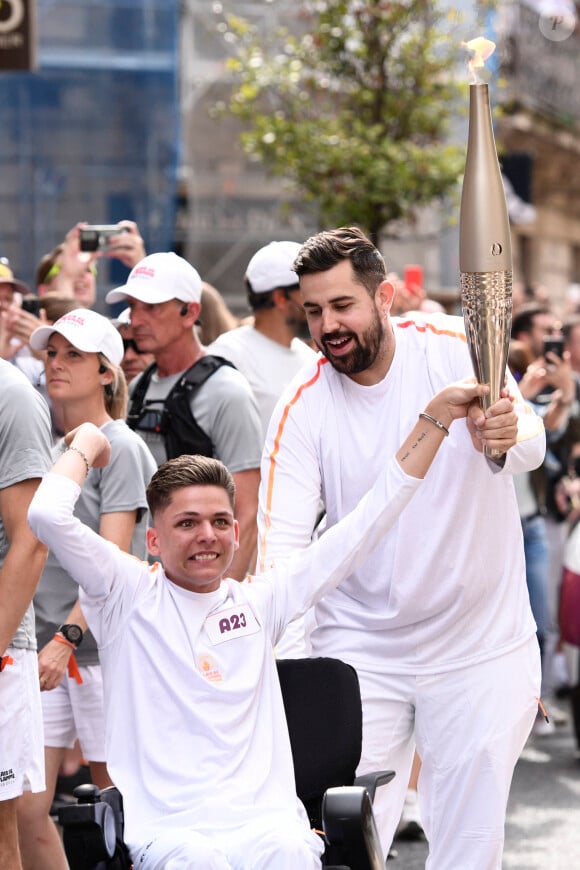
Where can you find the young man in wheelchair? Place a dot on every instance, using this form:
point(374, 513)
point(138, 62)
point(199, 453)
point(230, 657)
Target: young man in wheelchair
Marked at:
point(196, 735)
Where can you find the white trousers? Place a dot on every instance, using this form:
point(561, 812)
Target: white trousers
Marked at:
point(469, 727)
point(271, 843)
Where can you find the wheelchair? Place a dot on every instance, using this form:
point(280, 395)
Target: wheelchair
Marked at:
point(324, 714)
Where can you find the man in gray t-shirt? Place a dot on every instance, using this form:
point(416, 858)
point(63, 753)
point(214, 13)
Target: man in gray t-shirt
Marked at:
point(24, 458)
point(163, 292)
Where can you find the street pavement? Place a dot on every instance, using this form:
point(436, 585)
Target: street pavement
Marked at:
point(543, 819)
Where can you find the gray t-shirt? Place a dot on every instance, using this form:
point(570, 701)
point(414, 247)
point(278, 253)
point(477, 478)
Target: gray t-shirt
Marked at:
point(120, 486)
point(24, 455)
point(225, 408)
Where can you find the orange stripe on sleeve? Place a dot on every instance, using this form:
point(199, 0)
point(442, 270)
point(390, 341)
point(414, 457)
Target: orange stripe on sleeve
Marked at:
point(430, 327)
point(276, 450)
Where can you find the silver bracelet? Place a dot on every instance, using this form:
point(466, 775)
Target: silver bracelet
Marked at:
point(82, 455)
point(435, 422)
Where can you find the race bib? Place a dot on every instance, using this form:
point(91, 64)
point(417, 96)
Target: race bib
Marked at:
point(230, 623)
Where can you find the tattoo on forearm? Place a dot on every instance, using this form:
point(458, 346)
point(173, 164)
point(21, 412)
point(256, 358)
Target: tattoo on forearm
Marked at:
point(413, 446)
point(418, 441)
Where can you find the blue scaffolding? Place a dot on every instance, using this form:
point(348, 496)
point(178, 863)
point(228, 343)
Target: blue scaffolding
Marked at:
point(93, 134)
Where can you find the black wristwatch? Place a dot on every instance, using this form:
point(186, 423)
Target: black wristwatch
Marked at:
point(72, 633)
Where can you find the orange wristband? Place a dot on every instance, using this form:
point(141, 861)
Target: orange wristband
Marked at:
point(73, 670)
point(66, 642)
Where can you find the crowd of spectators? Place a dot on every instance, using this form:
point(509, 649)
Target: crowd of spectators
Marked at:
point(177, 373)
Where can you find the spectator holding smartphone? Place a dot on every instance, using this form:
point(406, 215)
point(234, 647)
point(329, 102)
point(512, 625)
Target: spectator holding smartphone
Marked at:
point(66, 272)
point(546, 381)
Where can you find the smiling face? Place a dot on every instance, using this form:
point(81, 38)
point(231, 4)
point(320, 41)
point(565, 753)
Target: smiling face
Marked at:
point(195, 536)
point(348, 324)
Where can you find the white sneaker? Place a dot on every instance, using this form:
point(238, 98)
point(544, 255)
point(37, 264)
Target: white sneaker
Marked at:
point(410, 827)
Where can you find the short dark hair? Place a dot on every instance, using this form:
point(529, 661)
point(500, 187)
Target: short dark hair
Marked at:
point(266, 299)
point(187, 470)
point(330, 247)
point(258, 300)
point(523, 320)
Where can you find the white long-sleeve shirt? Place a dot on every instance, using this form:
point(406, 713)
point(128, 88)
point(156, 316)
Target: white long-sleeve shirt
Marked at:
point(446, 586)
point(195, 729)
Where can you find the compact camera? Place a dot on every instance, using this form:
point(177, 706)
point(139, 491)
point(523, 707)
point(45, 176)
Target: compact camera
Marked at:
point(96, 237)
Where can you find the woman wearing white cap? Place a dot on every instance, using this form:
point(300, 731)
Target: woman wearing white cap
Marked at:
point(83, 355)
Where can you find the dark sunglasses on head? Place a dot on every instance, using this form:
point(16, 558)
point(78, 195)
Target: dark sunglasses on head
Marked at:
point(130, 343)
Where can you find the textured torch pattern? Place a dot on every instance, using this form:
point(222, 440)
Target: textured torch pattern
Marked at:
point(486, 300)
point(485, 261)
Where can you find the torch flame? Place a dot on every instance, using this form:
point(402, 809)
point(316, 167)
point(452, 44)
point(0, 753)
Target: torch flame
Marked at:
point(481, 49)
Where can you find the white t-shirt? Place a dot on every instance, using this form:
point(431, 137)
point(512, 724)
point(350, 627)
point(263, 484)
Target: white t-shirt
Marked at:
point(118, 487)
point(268, 365)
point(446, 587)
point(193, 706)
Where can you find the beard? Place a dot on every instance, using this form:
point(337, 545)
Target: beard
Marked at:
point(364, 353)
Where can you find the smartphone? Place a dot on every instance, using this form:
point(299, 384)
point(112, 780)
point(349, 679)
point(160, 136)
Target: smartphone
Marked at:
point(555, 346)
point(96, 236)
point(31, 305)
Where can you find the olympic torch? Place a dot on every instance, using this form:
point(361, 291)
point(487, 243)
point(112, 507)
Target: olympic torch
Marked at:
point(485, 260)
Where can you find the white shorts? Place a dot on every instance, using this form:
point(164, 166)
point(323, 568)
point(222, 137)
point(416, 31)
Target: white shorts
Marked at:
point(72, 710)
point(21, 737)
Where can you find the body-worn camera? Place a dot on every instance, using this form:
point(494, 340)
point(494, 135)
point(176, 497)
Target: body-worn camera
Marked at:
point(96, 237)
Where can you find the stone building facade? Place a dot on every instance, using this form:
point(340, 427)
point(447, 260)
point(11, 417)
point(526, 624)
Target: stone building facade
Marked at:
point(539, 126)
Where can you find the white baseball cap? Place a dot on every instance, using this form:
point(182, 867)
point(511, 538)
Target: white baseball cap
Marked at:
point(160, 278)
point(271, 267)
point(86, 330)
point(123, 319)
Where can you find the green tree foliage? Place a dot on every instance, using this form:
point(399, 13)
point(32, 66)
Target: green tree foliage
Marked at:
point(354, 110)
